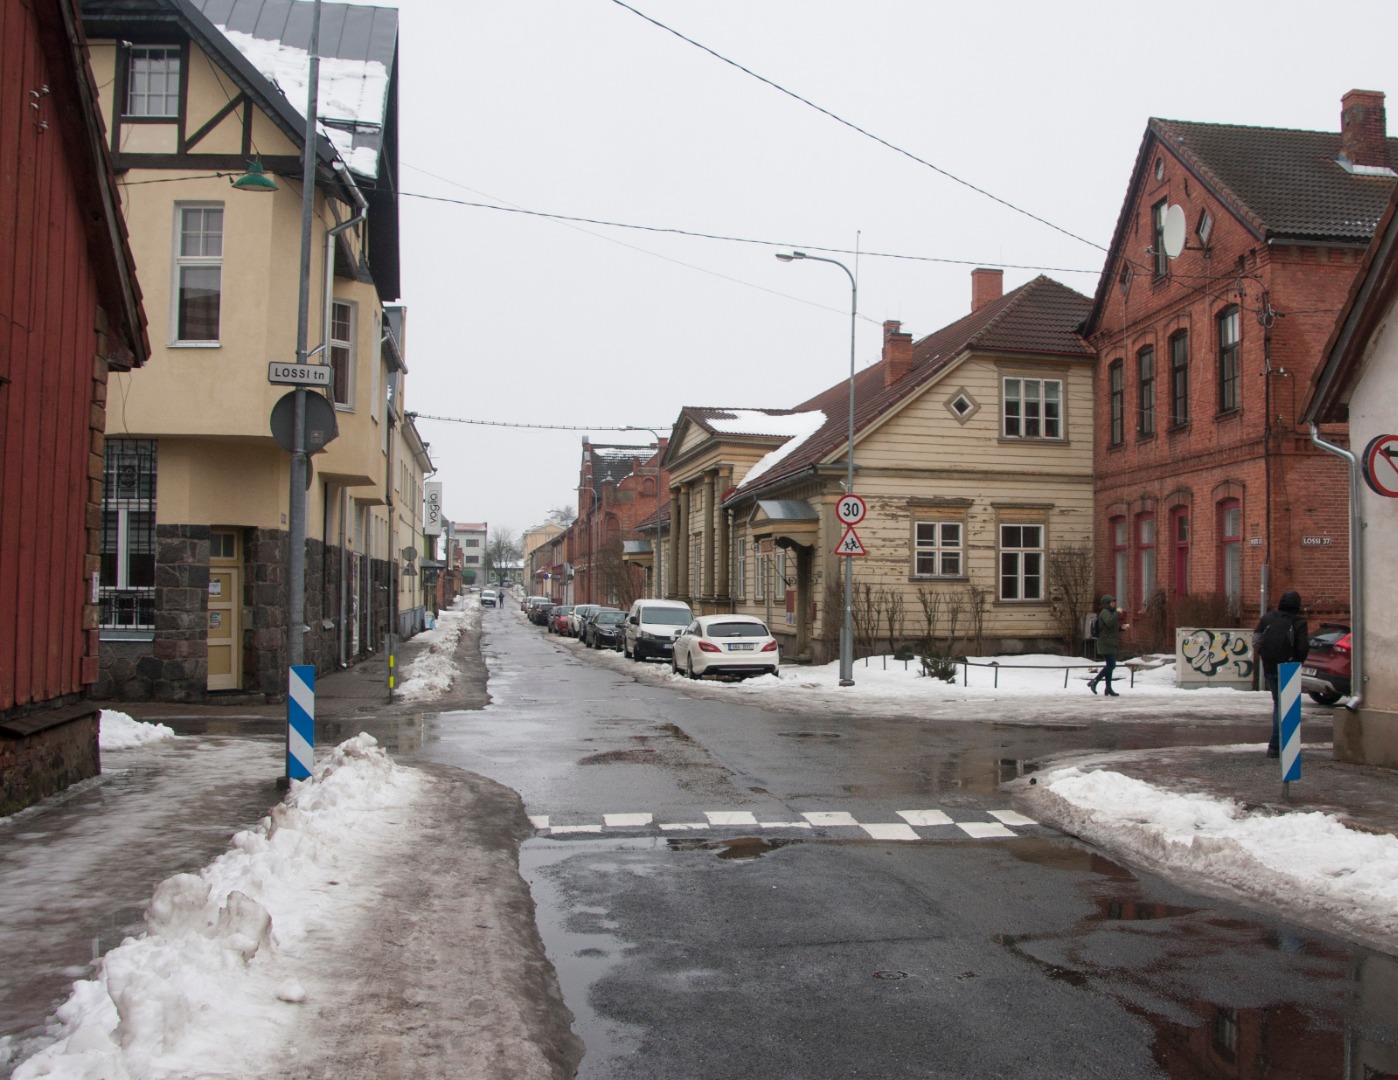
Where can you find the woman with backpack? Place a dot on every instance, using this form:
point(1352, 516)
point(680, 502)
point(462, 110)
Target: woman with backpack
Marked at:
point(1108, 633)
point(1281, 637)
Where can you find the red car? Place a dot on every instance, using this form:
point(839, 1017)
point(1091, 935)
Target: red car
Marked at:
point(558, 619)
point(1325, 673)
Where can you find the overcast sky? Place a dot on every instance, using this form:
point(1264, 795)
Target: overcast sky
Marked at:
point(583, 108)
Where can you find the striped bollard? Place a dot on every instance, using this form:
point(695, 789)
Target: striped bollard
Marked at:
point(1289, 714)
point(301, 722)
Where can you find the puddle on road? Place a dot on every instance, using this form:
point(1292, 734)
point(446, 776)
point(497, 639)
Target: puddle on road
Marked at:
point(739, 847)
point(1225, 995)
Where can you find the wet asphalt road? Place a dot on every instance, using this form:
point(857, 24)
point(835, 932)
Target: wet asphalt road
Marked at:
point(786, 952)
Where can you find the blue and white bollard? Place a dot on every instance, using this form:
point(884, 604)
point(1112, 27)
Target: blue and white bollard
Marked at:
point(301, 722)
point(1289, 715)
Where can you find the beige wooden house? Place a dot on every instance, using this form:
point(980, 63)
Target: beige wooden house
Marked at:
point(973, 451)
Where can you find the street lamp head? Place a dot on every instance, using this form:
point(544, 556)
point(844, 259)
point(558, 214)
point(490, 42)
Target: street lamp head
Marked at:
point(787, 257)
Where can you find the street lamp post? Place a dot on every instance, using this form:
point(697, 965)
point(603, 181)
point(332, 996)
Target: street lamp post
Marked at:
point(847, 627)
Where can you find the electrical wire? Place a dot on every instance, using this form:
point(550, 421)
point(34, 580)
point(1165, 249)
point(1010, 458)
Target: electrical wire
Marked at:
point(855, 127)
point(538, 427)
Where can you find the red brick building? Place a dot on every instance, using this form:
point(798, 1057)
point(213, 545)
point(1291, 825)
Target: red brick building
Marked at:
point(1210, 498)
point(616, 492)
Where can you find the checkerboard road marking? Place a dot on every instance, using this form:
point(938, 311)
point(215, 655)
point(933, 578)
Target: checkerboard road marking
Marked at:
point(1002, 826)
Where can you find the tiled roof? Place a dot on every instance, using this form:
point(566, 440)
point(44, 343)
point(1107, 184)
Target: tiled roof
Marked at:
point(1039, 318)
point(1287, 183)
point(706, 415)
point(615, 463)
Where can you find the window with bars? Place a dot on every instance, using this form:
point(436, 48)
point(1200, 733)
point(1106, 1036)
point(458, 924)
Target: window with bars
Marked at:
point(1145, 390)
point(937, 548)
point(198, 272)
point(1229, 360)
point(153, 82)
point(1033, 408)
point(126, 592)
point(1179, 379)
point(1021, 562)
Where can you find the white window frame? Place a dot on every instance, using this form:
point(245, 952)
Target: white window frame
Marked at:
point(759, 575)
point(168, 79)
point(1049, 427)
point(202, 261)
point(740, 571)
point(345, 346)
point(933, 539)
point(1016, 559)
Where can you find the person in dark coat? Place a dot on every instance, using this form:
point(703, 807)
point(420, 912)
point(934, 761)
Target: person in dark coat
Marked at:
point(1280, 637)
point(1109, 628)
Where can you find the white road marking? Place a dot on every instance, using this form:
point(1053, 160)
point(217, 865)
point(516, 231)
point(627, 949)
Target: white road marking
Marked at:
point(627, 820)
point(539, 821)
point(1009, 817)
point(984, 830)
point(892, 831)
point(925, 817)
point(830, 817)
point(560, 829)
point(681, 826)
point(785, 824)
point(730, 817)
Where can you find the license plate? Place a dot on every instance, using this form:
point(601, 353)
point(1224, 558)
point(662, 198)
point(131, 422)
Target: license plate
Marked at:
point(741, 646)
point(1308, 671)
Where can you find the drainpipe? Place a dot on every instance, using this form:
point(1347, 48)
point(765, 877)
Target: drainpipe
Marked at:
point(330, 236)
point(1356, 571)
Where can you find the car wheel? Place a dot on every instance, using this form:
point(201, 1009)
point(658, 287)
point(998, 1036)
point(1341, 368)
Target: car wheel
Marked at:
point(1329, 697)
point(689, 669)
point(674, 664)
point(624, 650)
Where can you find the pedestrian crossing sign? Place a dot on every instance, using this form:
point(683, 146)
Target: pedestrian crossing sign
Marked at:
point(850, 543)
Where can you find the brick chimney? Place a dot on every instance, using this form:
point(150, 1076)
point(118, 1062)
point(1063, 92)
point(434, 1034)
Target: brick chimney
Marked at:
point(897, 352)
point(987, 286)
point(1364, 128)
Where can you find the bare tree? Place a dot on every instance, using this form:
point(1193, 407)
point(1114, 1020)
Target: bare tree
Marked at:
point(893, 617)
point(561, 515)
point(956, 607)
point(616, 578)
point(976, 598)
point(502, 554)
point(930, 600)
point(1071, 571)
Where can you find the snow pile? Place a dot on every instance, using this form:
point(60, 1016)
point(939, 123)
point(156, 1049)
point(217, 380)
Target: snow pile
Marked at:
point(431, 674)
point(209, 988)
point(121, 732)
point(1310, 859)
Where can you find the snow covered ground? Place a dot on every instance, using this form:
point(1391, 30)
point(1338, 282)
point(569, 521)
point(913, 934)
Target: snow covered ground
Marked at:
point(213, 986)
point(430, 675)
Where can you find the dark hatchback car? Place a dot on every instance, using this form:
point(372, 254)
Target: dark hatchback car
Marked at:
point(1325, 673)
point(602, 630)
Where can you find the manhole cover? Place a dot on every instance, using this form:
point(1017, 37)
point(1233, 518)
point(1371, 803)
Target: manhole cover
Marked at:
point(811, 734)
point(890, 974)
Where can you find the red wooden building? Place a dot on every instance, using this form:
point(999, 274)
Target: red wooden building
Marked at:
point(1210, 497)
point(70, 313)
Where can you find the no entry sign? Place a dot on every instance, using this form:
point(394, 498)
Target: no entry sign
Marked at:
point(1380, 468)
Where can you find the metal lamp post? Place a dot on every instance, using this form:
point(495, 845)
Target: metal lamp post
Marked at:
point(847, 627)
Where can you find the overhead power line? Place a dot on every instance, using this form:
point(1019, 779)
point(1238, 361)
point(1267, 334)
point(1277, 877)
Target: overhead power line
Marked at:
point(855, 127)
point(650, 428)
point(674, 231)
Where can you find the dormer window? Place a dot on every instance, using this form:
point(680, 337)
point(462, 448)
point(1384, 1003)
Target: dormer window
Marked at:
point(153, 82)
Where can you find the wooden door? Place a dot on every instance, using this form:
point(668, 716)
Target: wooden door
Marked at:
point(225, 610)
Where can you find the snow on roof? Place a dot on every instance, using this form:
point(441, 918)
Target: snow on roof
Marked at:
point(799, 426)
point(760, 422)
point(351, 91)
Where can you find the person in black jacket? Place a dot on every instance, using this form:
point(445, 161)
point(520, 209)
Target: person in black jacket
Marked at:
point(1281, 637)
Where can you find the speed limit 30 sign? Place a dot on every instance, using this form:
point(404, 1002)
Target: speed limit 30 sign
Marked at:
point(850, 509)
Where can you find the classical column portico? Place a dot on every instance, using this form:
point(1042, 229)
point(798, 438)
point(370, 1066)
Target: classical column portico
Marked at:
point(706, 581)
point(680, 542)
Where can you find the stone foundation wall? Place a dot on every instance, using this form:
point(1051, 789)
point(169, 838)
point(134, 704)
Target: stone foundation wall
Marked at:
point(34, 766)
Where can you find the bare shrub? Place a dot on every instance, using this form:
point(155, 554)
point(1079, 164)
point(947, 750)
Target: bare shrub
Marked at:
point(976, 598)
point(1071, 571)
point(930, 600)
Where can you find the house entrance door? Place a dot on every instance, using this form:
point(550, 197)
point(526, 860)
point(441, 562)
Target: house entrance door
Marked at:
point(225, 634)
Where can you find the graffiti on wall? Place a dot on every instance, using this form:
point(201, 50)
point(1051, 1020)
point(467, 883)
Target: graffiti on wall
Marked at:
point(1213, 656)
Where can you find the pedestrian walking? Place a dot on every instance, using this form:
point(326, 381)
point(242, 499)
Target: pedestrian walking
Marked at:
point(1109, 628)
point(1281, 637)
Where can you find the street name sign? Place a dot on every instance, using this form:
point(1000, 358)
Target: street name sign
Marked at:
point(280, 374)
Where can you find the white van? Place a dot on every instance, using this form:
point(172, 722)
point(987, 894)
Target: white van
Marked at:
point(651, 626)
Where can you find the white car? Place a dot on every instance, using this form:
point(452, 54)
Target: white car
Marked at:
point(490, 598)
point(725, 645)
